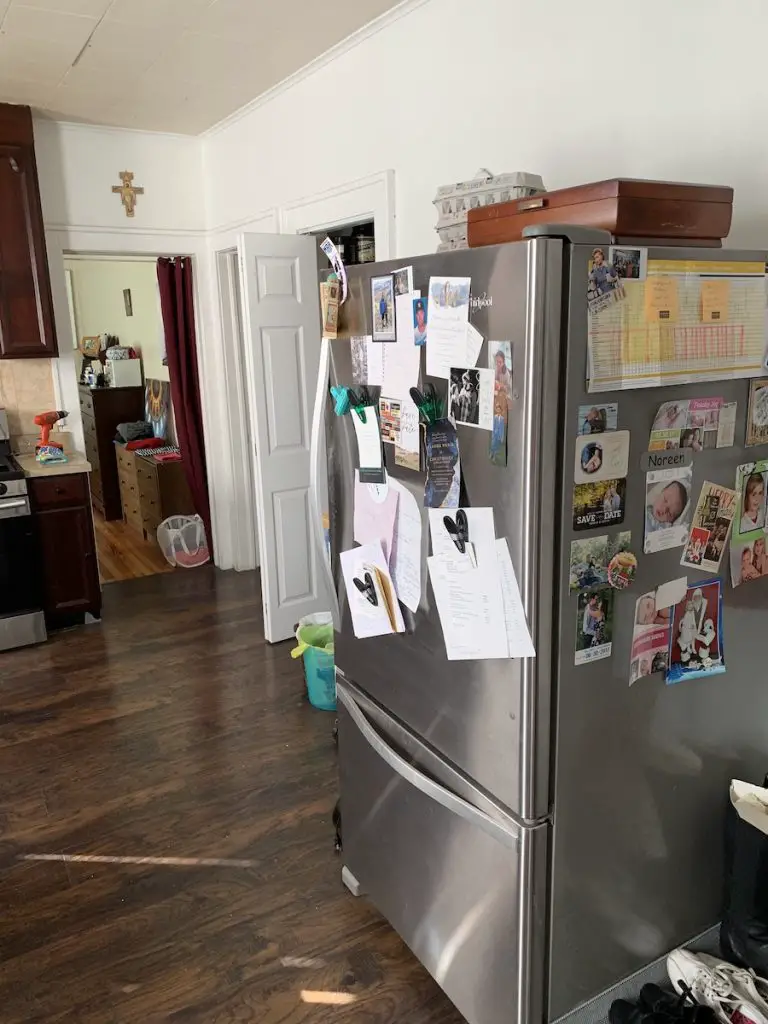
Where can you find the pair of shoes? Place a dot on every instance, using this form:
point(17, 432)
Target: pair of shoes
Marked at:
point(656, 1006)
point(737, 995)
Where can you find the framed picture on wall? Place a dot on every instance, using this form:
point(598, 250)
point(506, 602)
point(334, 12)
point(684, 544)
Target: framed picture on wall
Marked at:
point(128, 301)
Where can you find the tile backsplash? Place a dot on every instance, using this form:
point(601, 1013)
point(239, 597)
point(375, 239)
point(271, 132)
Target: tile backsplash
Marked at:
point(26, 389)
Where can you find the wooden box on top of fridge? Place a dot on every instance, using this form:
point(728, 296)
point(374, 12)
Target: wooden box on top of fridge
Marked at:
point(666, 212)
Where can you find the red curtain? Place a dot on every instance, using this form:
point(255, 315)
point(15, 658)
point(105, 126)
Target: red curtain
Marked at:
point(174, 277)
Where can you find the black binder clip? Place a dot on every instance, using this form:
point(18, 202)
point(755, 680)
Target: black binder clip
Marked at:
point(459, 534)
point(359, 400)
point(366, 588)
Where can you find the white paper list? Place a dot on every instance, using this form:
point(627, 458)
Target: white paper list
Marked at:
point(518, 635)
point(469, 604)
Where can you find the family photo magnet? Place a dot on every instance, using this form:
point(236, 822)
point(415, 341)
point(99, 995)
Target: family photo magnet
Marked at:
point(605, 457)
point(592, 556)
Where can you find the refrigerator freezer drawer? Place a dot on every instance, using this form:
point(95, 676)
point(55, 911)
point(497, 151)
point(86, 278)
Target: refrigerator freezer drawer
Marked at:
point(464, 889)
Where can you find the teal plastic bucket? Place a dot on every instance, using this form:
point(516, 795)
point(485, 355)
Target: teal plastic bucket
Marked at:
point(315, 646)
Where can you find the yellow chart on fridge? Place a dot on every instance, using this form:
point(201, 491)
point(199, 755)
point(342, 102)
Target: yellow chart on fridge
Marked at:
point(689, 321)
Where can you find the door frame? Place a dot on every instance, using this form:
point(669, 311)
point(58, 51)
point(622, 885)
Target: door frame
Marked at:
point(63, 242)
point(366, 199)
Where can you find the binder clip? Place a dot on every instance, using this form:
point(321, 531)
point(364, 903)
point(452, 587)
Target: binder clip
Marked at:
point(428, 403)
point(360, 401)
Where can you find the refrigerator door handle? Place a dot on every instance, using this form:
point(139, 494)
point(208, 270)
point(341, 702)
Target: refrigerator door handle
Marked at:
point(507, 836)
point(316, 513)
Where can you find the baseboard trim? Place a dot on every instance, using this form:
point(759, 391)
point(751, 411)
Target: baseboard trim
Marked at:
point(595, 1011)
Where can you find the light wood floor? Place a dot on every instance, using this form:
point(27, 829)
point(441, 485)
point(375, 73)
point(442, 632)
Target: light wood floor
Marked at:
point(123, 554)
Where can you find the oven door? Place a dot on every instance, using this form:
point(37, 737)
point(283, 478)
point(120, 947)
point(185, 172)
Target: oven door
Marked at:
point(21, 580)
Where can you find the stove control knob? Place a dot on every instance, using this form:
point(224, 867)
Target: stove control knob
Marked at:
point(3, 488)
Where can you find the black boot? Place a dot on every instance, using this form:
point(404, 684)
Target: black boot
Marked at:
point(744, 927)
point(622, 1011)
point(681, 1008)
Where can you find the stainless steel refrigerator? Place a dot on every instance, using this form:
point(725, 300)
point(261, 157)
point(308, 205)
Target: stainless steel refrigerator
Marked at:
point(537, 831)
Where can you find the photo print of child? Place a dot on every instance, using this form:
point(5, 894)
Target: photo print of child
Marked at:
point(591, 457)
point(695, 647)
point(419, 321)
point(500, 361)
point(667, 508)
point(753, 502)
point(749, 561)
point(601, 456)
point(748, 543)
point(697, 544)
point(383, 307)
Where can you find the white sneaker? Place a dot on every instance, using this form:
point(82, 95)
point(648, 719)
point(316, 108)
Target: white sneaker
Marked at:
point(745, 982)
point(715, 987)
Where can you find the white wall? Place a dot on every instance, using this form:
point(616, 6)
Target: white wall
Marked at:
point(97, 287)
point(78, 165)
point(574, 92)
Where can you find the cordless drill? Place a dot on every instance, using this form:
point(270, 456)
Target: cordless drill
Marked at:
point(45, 421)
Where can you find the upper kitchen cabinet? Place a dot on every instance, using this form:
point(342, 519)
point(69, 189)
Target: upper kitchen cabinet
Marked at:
point(26, 309)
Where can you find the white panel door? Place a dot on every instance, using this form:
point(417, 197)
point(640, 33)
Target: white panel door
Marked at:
point(281, 310)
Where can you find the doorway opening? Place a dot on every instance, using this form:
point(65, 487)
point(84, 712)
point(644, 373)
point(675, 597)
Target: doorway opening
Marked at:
point(138, 477)
point(355, 241)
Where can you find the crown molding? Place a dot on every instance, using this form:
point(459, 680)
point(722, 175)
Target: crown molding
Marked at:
point(402, 10)
point(115, 229)
point(39, 118)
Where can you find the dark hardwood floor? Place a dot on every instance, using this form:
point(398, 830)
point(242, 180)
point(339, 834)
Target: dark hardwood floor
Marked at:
point(173, 731)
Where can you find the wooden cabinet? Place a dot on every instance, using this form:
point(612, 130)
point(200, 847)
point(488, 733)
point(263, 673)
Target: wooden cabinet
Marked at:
point(26, 308)
point(101, 410)
point(64, 525)
point(151, 491)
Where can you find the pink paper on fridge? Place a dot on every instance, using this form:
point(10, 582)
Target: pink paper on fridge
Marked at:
point(375, 514)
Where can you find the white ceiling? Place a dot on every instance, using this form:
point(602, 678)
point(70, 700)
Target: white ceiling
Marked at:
point(163, 65)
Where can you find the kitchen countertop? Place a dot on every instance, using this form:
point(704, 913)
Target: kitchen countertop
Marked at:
point(77, 464)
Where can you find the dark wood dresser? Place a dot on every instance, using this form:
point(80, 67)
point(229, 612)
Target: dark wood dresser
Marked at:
point(102, 409)
point(151, 491)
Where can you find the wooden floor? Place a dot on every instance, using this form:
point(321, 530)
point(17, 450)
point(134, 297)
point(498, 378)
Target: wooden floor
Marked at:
point(123, 554)
point(172, 730)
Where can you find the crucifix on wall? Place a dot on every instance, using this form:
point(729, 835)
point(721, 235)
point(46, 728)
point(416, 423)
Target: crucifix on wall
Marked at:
point(128, 192)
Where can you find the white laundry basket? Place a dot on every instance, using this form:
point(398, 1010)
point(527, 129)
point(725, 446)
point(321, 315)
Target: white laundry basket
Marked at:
point(182, 541)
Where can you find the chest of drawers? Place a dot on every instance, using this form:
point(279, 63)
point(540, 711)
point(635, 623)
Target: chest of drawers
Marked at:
point(150, 491)
point(101, 410)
